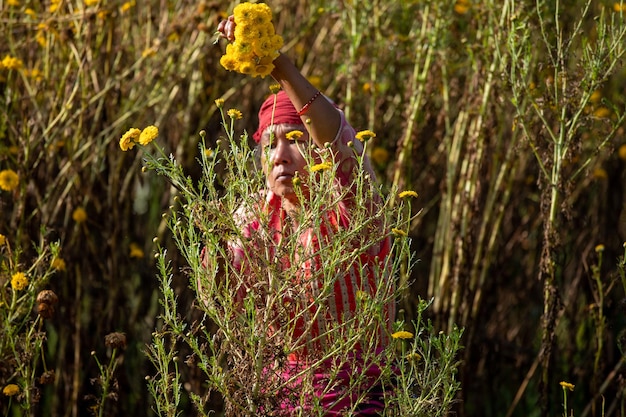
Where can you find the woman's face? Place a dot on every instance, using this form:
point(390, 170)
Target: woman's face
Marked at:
point(282, 158)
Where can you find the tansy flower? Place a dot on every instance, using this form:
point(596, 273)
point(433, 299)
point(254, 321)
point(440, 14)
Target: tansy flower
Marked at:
point(148, 135)
point(600, 248)
point(9, 180)
point(91, 2)
point(321, 167)
point(11, 63)
point(58, 264)
point(567, 385)
point(398, 232)
point(408, 193)
point(462, 6)
point(219, 103)
point(618, 7)
point(365, 135)
point(127, 6)
point(3, 240)
point(296, 181)
point(30, 12)
point(234, 114)
point(13, 3)
point(19, 281)
point(600, 173)
point(274, 88)
point(621, 152)
point(380, 156)
point(402, 334)
point(79, 215)
point(294, 135)
point(136, 251)
point(11, 390)
point(602, 113)
point(129, 138)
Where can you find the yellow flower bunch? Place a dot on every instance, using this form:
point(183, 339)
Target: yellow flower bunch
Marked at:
point(134, 136)
point(256, 44)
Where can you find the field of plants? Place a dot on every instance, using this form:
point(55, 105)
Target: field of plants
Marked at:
point(507, 118)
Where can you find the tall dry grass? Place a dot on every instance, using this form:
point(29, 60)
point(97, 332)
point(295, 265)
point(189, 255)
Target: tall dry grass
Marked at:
point(506, 117)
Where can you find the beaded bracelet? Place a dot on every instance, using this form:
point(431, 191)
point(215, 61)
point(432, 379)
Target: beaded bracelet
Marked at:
point(305, 108)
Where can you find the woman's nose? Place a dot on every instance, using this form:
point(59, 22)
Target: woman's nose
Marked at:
point(280, 154)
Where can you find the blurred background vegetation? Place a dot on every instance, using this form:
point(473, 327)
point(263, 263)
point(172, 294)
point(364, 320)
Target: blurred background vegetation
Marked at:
point(507, 117)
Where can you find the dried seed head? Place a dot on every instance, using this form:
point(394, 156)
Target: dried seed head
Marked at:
point(116, 340)
point(45, 310)
point(47, 297)
point(47, 377)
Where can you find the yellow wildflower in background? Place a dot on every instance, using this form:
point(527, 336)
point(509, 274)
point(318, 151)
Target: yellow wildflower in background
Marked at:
point(462, 6)
point(3, 239)
point(91, 2)
point(19, 281)
point(321, 167)
point(127, 6)
point(274, 88)
point(14, 3)
point(408, 193)
point(148, 135)
point(135, 251)
point(567, 385)
point(365, 135)
point(30, 12)
point(11, 390)
point(600, 173)
point(219, 103)
point(380, 156)
point(79, 215)
point(294, 135)
point(600, 248)
point(58, 264)
point(129, 138)
point(234, 114)
point(602, 113)
point(619, 7)
point(402, 334)
point(621, 152)
point(9, 180)
point(11, 63)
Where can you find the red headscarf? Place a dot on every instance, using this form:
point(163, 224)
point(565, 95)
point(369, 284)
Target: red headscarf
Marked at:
point(283, 112)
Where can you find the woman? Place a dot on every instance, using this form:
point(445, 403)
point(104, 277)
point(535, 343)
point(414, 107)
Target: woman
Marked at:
point(299, 107)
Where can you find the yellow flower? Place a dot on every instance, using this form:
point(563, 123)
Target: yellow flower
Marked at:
point(567, 385)
point(294, 135)
point(3, 240)
point(79, 215)
point(600, 173)
point(58, 264)
point(15, 3)
point(127, 6)
point(621, 152)
point(414, 357)
point(602, 113)
point(129, 138)
point(296, 181)
point(9, 180)
point(365, 135)
point(148, 135)
point(408, 193)
point(19, 281)
point(148, 52)
point(380, 156)
point(11, 63)
point(274, 88)
point(600, 248)
point(398, 232)
point(11, 390)
point(30, 12)
point(322, 167)
point(234, 114)
point(402, 334)
point(595, 96)
point(136, 251)
point(91, 2)
point(219, 103)
point(462, 6)
point(619, 7)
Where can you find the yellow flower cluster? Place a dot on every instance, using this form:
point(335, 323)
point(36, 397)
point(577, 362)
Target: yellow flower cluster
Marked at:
point(142, 137)
point(19, 281)
point(256, 44)
point(9, 180)
point(11, 63)
point(11, 390)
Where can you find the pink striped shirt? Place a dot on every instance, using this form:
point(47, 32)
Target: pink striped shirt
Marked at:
point(313, 313)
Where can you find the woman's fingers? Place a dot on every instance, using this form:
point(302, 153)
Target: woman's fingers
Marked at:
point(227, 28)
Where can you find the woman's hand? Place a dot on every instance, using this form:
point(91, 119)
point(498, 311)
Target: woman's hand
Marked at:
point(226, 28)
